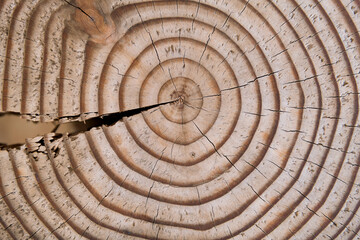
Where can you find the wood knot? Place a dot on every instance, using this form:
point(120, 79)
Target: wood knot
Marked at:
point(95, 21)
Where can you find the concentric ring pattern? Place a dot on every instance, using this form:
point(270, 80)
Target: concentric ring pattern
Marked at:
point(254, 134)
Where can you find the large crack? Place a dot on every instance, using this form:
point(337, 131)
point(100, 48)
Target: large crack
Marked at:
point(82, 126)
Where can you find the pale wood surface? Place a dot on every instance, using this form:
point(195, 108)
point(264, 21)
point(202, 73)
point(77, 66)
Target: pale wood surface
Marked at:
point(257, 136)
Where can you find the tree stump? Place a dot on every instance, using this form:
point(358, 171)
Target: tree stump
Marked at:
point(247, 123)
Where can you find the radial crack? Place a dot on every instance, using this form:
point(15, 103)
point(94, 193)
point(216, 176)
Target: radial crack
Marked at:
point(206, 138)
point(196, 14)
point(257, 194)
point(147, 197)
point(173, 83)
point(252, 81)
point(302, 194)
point(152, 41)
point(156, 51)
point(255, 168)
point(207, 43)
point(107, 194)
point(81, 126)
point(260, 229)
point(328, 147)
point(303, 80)
point(226, 20)
point(246, 4)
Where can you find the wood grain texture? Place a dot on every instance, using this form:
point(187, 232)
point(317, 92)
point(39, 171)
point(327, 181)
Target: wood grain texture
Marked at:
point(257, 134)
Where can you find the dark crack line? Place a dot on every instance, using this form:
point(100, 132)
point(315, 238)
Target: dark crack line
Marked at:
point(312, 211)
point(82, 235)
point(304, 196)
point(260, 229)
point(330, 64)
point(186, 103)
point(9, 58)
point(333, 118)
point(231, 234)
point(246, 4)
point(255, 114)
point(268, 146)
point(172, 149)
point(331, 220)
point(347, 5)
point(298, 6)
point(309, 108)
point(162, 21)
point(256, 44)
point(147, 197)
point(207, 43)
point(80, 10)
point(183, 59)
point(347, 49)
point(345, 95)
point(208, 96)
point(37, 70)
point(315, 34)
point(294, 41)
point(292, 131)
point(230, 190)
point(8, 227)
point(328, 147)
point(329, 236)
point(34, 202)
point(157, 234)
point(206, 138)
point(198, 193)
point(34, 233)
point(91, 18)
point(283, 169)
point(157, 214)
point(63, 223)
point(118, 71)
point(173, 83)
point(107, 194)
point(224, 59)
point(179, 38)
point(257, 194)
point(156, 51)
point(196, 14)
point(82, 126)
point(276, 110)
point(317, 3)
point(212, 215)
point(337, 178)
point(276, 34)
point(352, 126)
point(252, 81)
point(226, 20)
point(255, 168)
point(153, 169)
point(112, 118)
point(213, 145)
point(152, 41)
point(353, 164)
point(303, 80)
point(279, 53)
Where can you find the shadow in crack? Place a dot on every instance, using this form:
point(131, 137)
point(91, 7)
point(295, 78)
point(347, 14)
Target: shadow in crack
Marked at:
point(14, 129)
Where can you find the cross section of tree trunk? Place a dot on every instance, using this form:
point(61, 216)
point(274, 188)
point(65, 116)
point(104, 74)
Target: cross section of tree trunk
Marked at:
point(244, 125)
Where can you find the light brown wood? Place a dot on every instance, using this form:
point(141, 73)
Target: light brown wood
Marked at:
point(253, 131)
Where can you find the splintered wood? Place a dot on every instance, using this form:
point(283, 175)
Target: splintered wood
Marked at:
point(247, 124)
